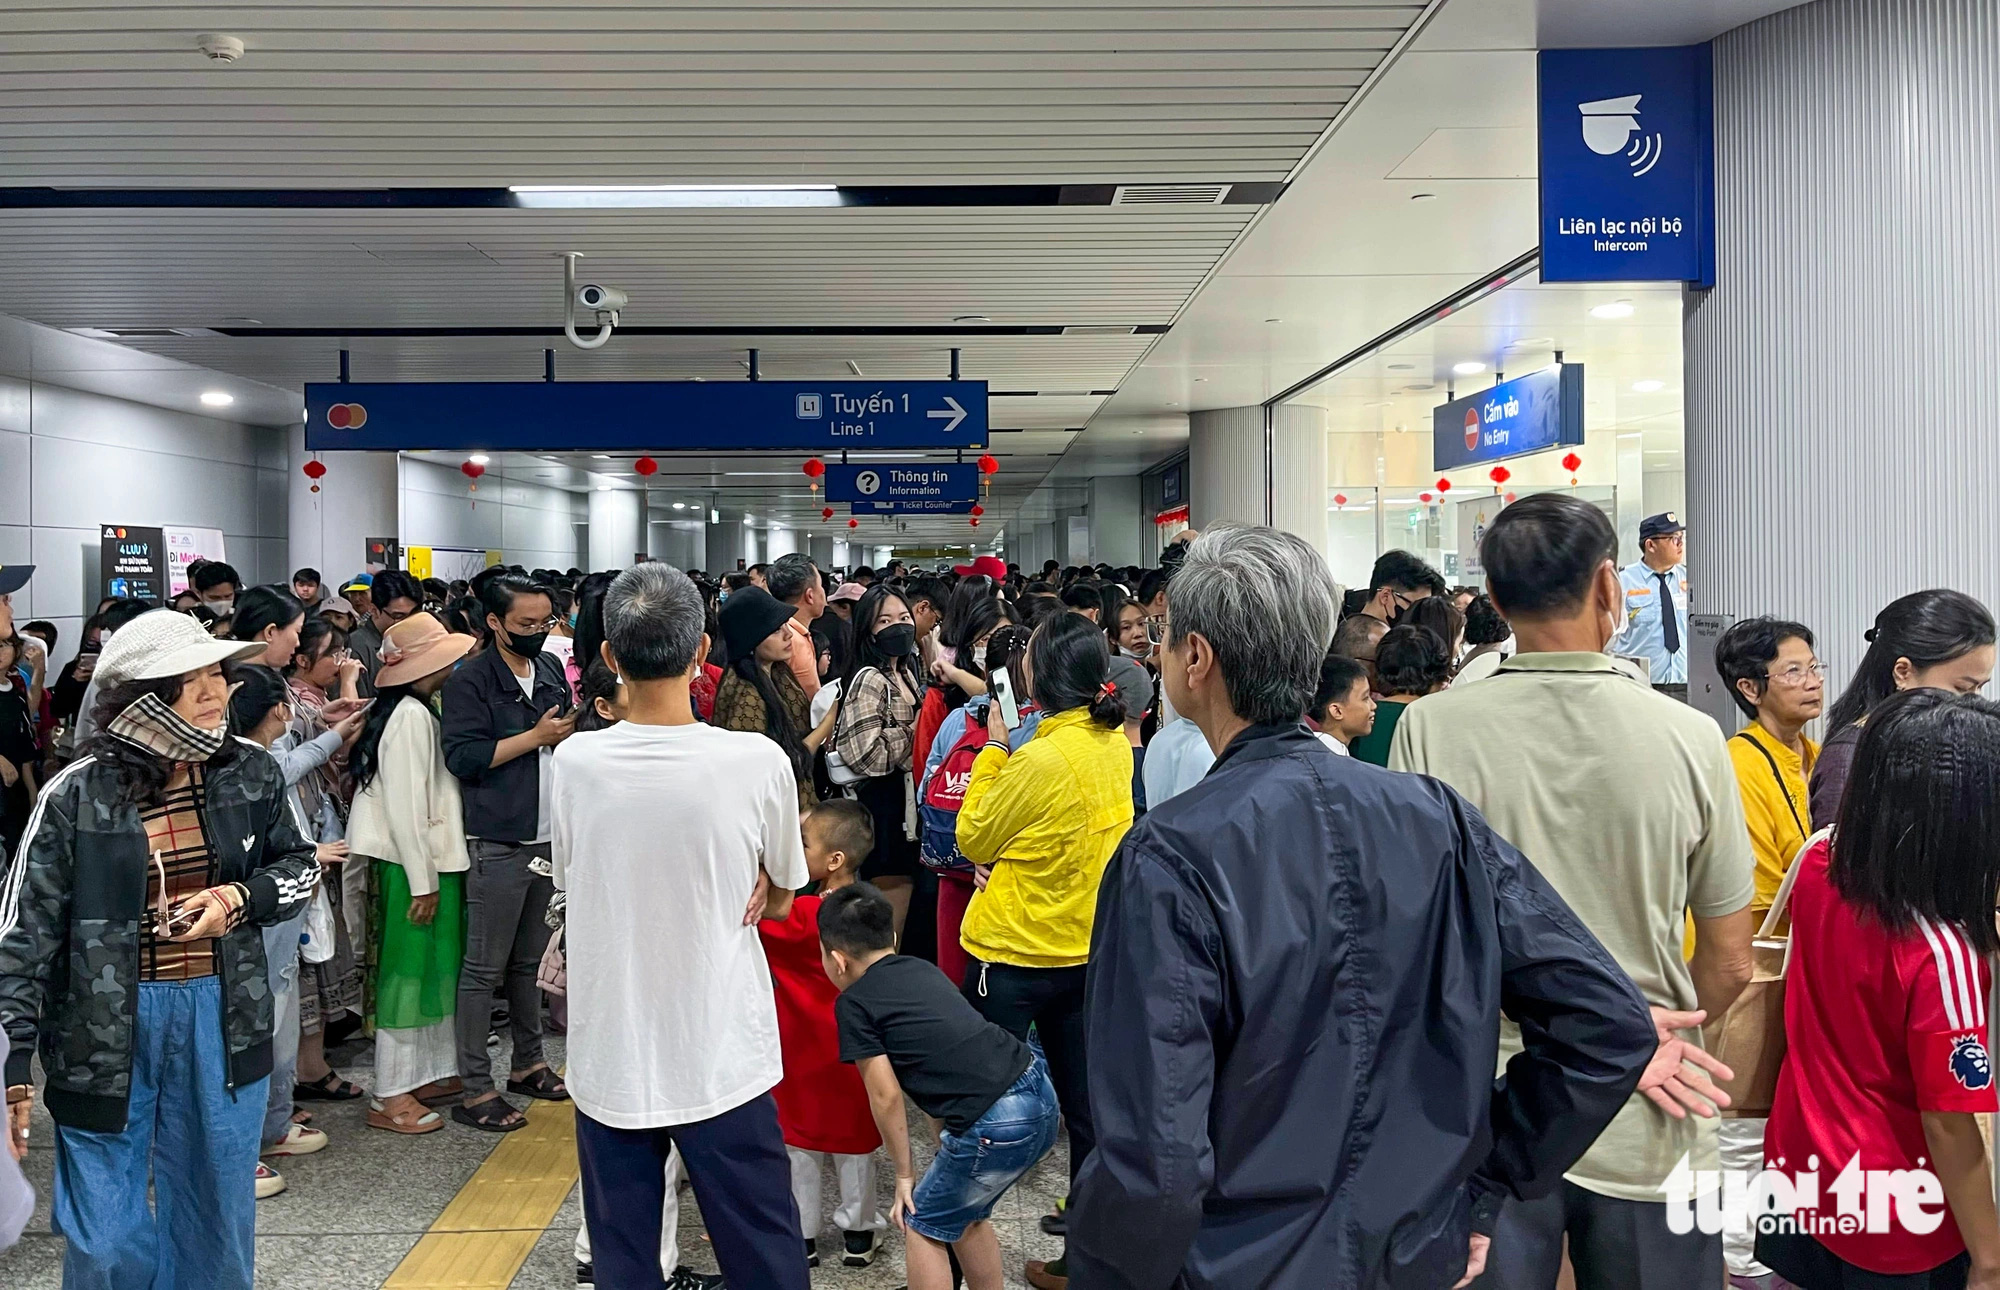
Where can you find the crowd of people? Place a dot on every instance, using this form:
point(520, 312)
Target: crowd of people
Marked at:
point(1250, 887)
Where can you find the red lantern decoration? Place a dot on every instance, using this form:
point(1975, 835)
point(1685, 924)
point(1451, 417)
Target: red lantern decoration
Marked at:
point(315, 469)
point(989, 464)
point(974, 522)
point(646, 466)
point(1499, 474)
point(472, 469)
point(977, 509)
point(1571, 461)
point(1340, 499)
point(1509, 499)
point(1424, 498)
point(825, 513)
point(1444, 485)
point(814, 468)
point(854, 524)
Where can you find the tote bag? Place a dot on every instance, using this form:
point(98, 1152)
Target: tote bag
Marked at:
point(1750, 1037)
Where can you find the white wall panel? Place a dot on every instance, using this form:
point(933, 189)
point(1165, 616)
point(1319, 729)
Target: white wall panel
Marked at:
point(533, 526)
point(71, 461)
point(1837, 374)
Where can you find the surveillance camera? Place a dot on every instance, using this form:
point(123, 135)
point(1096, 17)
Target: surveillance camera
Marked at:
point(604, 300)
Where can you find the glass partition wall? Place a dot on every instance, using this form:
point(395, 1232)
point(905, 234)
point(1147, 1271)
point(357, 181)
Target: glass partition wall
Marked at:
point(1383, 490)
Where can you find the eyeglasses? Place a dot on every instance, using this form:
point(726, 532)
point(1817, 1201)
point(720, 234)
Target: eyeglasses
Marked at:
point(1799, 673)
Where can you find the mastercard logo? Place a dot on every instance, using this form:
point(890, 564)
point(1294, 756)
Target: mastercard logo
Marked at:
point(1471, 428)
point(347, 416)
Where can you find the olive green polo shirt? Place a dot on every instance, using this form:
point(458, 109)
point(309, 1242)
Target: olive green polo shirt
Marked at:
point(1626, 801)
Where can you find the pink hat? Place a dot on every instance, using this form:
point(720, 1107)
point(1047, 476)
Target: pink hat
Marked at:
point(847, 591)
point(417, 647)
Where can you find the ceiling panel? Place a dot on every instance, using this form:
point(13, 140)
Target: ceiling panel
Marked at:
point(444, 93)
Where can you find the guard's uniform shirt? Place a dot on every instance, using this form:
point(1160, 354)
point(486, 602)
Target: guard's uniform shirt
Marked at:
point(1644, 635)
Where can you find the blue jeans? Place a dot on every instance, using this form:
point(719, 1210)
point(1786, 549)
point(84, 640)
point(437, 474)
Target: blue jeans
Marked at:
point(186, 1133)
point(281, 961)
point(973, 1169)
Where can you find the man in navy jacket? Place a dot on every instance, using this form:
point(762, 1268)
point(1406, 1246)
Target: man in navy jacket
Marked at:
point(1295, 987)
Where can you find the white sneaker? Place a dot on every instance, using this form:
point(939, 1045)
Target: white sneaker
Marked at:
point(269, 1181)
point(298, 1141)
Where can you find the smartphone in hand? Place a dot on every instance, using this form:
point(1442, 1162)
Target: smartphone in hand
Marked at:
point(1002, 687)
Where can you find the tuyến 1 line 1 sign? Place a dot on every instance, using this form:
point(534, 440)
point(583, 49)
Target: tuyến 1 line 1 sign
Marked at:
point(652, 416)
point(903, 488)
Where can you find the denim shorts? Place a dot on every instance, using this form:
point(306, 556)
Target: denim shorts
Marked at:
point(972, 1169)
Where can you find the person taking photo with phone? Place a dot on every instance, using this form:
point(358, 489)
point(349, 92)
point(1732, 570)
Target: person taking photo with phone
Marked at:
point(1043, 822)
point(152, 863)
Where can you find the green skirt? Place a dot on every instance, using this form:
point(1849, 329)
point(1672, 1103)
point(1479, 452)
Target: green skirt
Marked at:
point(412, 970)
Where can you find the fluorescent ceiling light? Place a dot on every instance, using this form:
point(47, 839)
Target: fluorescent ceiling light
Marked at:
point(478, 459)
point(1468, 368)
point(600, 456)
point(1616, 309)
point(1648, 387)
point(604, 488)
point(654, 195)
point(217, 398)
point(680, 506)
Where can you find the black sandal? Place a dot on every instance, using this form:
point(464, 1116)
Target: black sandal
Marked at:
point(328, 1088)
point(490, 1116)
point(542, 1083)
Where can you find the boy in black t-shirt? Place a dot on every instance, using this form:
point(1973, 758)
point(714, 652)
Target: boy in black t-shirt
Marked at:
point(910, 1031)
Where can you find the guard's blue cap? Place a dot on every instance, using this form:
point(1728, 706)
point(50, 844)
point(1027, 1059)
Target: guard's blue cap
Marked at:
point(1665, 524)
point(13, 577)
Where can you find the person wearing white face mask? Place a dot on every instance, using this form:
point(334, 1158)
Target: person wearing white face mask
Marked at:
point(218, 585)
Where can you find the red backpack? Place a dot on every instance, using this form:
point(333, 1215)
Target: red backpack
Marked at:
point(943, 797)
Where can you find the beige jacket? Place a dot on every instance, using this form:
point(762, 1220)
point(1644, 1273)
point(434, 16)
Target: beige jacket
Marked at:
point(411, 813)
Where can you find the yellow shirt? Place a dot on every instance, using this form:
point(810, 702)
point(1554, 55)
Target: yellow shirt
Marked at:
point(1047, 820)
point(1778, 808)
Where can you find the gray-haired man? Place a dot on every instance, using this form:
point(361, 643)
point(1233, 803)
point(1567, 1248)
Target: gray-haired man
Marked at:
point(1295, 987)
point(664, 831)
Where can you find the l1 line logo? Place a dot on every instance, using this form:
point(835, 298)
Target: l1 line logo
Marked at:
point(1627, 162)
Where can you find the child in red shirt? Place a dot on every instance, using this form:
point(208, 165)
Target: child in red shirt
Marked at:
point(822, 1105)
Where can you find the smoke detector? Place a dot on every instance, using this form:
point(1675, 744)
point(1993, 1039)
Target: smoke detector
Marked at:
point(220, 49)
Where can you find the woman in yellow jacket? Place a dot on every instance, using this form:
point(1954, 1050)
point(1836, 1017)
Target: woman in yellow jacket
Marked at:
point(1041, 825)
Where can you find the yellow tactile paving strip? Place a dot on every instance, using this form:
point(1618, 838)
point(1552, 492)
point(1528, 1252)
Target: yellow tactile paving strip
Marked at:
point(487, 1231)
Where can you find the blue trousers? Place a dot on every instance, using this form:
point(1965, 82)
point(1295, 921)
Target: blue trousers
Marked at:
point(281, 958)
point(188, 1135)
point(742, 1179)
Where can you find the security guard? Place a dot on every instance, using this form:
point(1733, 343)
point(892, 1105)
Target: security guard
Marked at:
point(1656, 604)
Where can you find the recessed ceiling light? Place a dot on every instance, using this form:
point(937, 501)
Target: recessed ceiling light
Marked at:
point(1531, 342)
point(645, 195)
point(478, 459)
point(1616, 309)
point(680, 506)
point(217, 398)
point(1468, 368)
point(1647, 387)
point(600, 456)
point(604, 488)
point(1423, 197)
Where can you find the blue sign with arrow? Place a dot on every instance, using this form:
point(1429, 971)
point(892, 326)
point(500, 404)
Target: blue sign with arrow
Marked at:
point(904, 488)
point(1627, 165)
point(1531, 413)
point(645, 416)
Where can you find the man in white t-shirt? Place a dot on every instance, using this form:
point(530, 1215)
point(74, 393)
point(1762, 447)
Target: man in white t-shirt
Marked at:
point(665, 829)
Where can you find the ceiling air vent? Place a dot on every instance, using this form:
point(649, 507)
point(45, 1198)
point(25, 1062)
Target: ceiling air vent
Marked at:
point(1169, 194)
point(1097, 330)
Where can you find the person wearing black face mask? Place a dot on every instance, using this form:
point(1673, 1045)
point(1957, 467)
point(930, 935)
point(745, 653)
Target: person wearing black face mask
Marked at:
point(1399, 580)
point(875, 738)
point(504, 712)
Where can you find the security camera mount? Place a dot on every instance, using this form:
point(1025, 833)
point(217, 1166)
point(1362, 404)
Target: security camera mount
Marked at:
point(607, 319)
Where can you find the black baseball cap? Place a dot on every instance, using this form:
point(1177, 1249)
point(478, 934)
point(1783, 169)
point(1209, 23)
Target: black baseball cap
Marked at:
point(1665, 524)
point(13, 577)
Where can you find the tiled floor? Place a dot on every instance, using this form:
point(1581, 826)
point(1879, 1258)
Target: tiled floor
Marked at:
point(353, 1211)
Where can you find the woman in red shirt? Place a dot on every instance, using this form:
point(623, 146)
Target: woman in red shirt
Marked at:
point(1887, 1061)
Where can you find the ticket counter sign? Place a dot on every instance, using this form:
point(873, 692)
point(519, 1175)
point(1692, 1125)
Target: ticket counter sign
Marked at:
point(1627, 165)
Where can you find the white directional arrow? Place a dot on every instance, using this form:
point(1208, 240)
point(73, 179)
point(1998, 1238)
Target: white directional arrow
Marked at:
point(956, 415)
